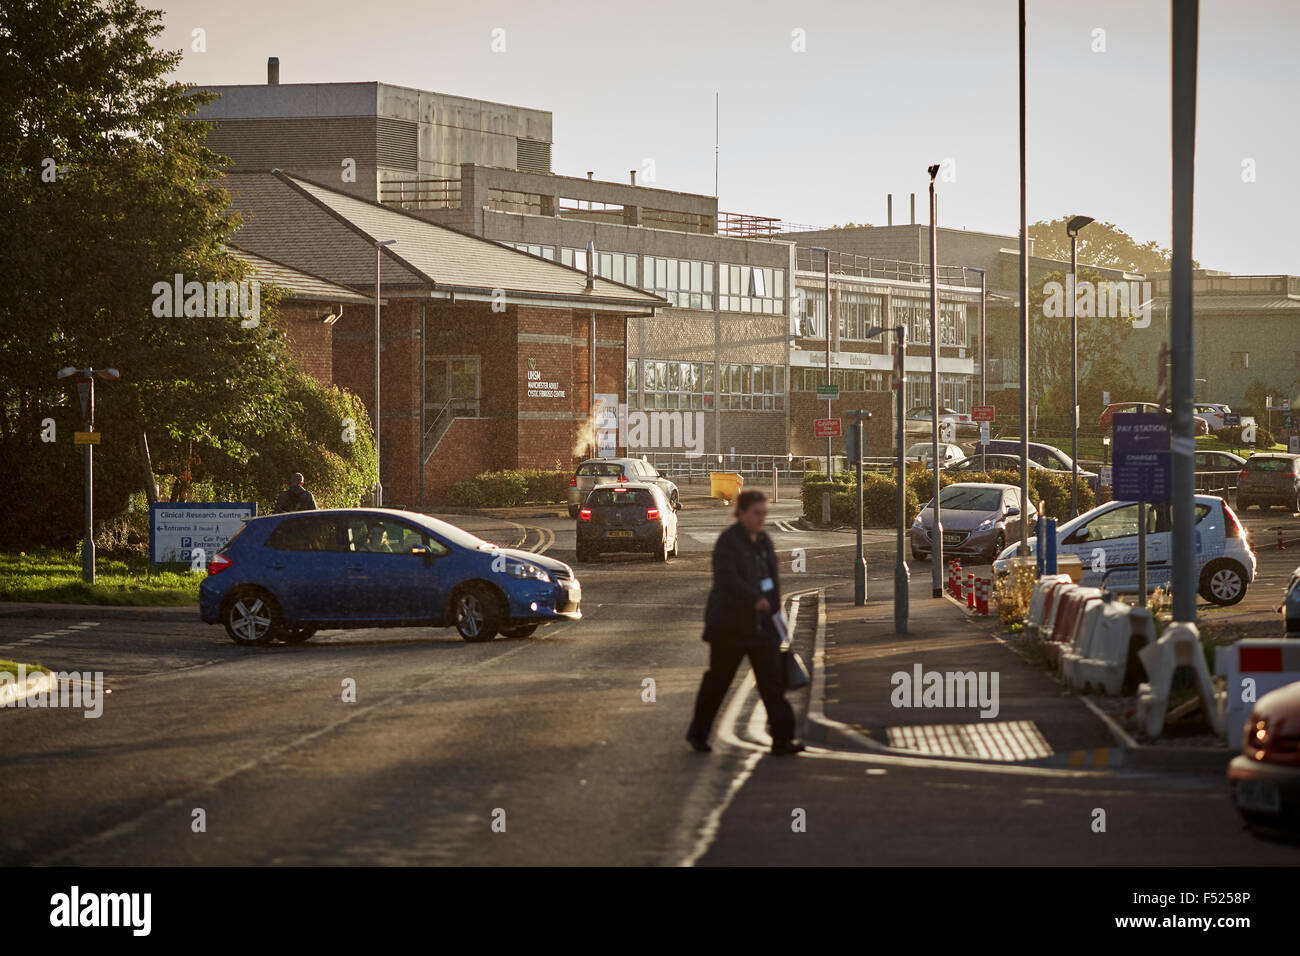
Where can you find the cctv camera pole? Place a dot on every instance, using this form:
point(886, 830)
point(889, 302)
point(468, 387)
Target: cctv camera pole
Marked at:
point(1185, 15)
point(936, 543)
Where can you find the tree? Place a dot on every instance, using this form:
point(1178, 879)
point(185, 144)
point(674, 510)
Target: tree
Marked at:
point(107, 189)
point(1100, 244)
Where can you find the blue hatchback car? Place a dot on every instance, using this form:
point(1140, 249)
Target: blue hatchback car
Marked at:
point(285, 576)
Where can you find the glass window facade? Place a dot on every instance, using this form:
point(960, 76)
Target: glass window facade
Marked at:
point(756, 387)
point(675, 384)
point(751, 289)
point(616, 266)
point(859, 312)
point(686, 283)
point(848, 379)
point(546, 252)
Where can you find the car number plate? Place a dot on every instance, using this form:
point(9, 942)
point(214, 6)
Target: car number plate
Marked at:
point(619, 534)
point(1259, 796)
point(951, 538)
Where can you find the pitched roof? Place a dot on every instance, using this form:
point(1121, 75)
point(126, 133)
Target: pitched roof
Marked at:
point(302, 285)
point(321, 230)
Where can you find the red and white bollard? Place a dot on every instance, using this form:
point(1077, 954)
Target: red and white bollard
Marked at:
point(956, 584)
point(970, 590)
point(982, 598)
point(948, 583)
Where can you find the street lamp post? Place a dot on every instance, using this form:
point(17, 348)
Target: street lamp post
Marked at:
point(1072, 228)
point(827, 254)
point(85, 378)
point(1022, 548)
point(936, 542)
point(901, 574)
point(379, 478)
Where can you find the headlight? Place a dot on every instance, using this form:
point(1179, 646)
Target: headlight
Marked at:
point(917, 522)
point(527, 571)
point(986, 524)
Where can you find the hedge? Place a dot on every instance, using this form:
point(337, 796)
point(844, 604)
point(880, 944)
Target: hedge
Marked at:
point(1232, 436)
point(515, 486)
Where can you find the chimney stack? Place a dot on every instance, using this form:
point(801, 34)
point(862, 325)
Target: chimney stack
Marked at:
point(591, 174)
point(273, 71)
point(633, 172)
point(889, 209)
point(914, 209)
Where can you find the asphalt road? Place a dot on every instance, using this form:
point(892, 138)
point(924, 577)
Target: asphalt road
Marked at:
point(550, 735)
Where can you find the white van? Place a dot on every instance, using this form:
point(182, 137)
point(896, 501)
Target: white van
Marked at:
point(1105, 540)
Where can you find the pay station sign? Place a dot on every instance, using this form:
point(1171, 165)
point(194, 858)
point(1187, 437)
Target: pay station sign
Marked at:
point(1141, 469)
point(826, 427)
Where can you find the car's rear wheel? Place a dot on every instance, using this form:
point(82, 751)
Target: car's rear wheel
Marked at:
point(519, 630)
point(477, 612)
point(920, 555)
point(674, 501)
point(661, 552)
point(1223, 582)
point(252, 617)
point(297, 635)
point(677, 539)
point(583, 553)
point(573, 510)
point(1243, 504)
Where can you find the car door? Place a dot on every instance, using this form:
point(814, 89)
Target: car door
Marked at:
point(303, 567)
point(1108, 543)
point(391, 569)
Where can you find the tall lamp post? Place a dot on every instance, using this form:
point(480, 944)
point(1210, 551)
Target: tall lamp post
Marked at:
point(1022, 548)
point(827, 253)
point(379, 478)
point(901, 574)
point(85, 378)
point(936, 544)
point(1072, 228)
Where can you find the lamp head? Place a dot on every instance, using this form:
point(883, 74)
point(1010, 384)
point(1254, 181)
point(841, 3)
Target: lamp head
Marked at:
point(1078, 222)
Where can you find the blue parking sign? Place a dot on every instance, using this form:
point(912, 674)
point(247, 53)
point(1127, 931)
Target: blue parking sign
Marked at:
point(1141, 457)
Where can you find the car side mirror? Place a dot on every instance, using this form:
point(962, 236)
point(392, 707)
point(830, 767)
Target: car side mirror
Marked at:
point(1012, 511)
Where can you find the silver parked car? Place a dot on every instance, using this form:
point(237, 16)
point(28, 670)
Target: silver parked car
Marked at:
point(978, 519)
point(1291, 605)
point(595, 471)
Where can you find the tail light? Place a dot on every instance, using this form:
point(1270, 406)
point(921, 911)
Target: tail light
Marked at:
point(584, 514)
point(573, 482)
point(1232, 527)
point(1289, 475)
point(218, 564)
point(1242, 476)
point(652, 514)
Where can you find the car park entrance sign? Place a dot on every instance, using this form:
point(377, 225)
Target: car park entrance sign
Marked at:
point(1141, 469)
point(981, 413)
point(826, 427)
point(177, 530)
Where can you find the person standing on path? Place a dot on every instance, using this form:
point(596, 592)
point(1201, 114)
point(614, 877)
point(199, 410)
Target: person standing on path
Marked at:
point(738, 623)
point(295, 497)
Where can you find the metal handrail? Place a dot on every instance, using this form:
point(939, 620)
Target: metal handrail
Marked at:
point(430, 448)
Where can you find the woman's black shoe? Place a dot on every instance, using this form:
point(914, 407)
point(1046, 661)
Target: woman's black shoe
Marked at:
point(787, 747)
point(699, 744)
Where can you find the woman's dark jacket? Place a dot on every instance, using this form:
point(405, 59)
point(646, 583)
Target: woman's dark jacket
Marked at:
point(739, 566)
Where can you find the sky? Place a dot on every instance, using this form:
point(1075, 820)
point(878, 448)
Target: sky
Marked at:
point(826, 107)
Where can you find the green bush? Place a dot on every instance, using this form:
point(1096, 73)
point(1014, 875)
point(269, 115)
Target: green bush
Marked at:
point(513, 486)
point(1232, 436)
point(879, 501)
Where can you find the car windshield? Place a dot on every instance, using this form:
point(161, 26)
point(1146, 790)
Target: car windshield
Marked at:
point(970, 499)
point(607, 469)
point(621, 497)
point(919, 451)
point(1269, 464)
point(449, 532)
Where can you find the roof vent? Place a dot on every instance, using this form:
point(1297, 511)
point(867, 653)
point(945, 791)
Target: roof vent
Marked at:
point(273, 71)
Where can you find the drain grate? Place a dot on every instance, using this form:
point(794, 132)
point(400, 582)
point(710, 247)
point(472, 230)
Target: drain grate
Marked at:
point(1007, 740)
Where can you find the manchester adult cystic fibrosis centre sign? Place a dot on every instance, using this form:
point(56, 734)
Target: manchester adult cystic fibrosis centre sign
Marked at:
point(177, 530)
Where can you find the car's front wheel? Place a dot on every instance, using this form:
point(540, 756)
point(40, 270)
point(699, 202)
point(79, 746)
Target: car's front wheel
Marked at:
point(998, 546)
point(661, 552)
point(1223, 582)
point(920, 555)
point(478, 613)
point(252, 617)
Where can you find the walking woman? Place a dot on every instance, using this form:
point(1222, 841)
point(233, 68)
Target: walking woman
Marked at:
point(738, 623)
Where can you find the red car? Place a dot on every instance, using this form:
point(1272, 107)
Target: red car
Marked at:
point(1265, 779)
point(1104, 423)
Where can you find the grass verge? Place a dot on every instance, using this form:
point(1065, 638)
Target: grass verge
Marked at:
point(54, 577)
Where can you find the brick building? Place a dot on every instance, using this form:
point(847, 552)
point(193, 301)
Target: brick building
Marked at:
point(486, 357)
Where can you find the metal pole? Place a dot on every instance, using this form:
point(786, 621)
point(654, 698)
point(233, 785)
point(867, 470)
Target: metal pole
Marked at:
point(1142, 552)
point(1185, 14)
point(379, 475)
point(901, 574)
point(936, 543)
point(88, 545)
point(1023, 548)
point(1074, 376)
point(828, 356)
point(860, 565)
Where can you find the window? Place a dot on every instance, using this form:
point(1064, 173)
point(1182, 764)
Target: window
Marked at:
point(615, 266)
point(848, 379)
point(752, 289)
point(632, 367)
point(858, 313)
point(373, 534)
point(1117, 523)
point(686, 283)
point(304, 534)
point(546, 252)
point(814, 318)
point(1241, 360)
point(755, 387)
point(678, 384)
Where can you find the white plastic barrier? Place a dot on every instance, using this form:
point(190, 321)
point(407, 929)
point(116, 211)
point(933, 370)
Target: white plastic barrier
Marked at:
point(1071, 606)
point(1100, 654)
point(1179, 646)
point(1038, 603)
point(1252, 668)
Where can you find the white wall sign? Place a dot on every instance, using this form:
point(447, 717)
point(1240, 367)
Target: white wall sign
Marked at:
point(176, 529)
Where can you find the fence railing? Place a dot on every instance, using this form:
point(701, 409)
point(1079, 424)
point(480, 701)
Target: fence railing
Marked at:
point(421, 193)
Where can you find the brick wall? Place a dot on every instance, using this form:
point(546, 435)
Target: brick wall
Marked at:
point(311, 341)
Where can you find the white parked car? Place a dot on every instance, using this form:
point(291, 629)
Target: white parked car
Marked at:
point(921, 451)
point(1105, 540)
point(1213, 414)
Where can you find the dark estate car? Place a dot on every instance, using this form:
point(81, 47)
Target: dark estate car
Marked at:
point(1269, 479)
point(283, 577)
point(1049, 456)
point(631, 516)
